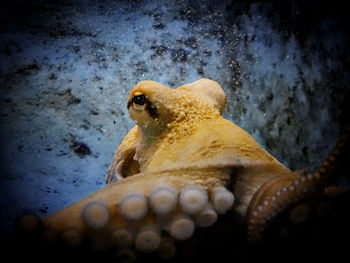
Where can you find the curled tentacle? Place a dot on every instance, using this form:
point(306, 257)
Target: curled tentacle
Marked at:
point(276, 195)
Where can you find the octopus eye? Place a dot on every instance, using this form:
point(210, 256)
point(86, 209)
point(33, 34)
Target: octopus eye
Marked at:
point(139, 99)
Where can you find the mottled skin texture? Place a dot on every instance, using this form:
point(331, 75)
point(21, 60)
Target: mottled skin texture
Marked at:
point(181, 139)
point(195, 137)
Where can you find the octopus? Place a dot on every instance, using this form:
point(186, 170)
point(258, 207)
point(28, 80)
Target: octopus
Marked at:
point(184, 166)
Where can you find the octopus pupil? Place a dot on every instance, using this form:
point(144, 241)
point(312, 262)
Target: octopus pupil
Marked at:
point(139, 99)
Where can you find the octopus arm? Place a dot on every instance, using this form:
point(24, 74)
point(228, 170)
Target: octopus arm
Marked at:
point(275, 196)
point(145, 206)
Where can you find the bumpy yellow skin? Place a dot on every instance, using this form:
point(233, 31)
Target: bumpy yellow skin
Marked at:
point(187, 143)
point(191, 135)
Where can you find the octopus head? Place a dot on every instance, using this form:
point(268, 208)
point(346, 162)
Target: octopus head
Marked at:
point(153, 105)
point(150, 104)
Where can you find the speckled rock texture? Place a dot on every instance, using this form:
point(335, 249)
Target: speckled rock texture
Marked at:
point(66, 68)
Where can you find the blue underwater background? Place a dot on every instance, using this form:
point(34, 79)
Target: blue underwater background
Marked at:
point(66, 68)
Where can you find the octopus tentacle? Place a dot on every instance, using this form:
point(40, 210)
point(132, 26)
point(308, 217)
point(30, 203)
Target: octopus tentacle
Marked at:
point(118, 216)
point(276, 195)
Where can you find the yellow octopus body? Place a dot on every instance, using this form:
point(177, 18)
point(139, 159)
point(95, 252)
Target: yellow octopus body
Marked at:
point(197, 138)
point(181, 142)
